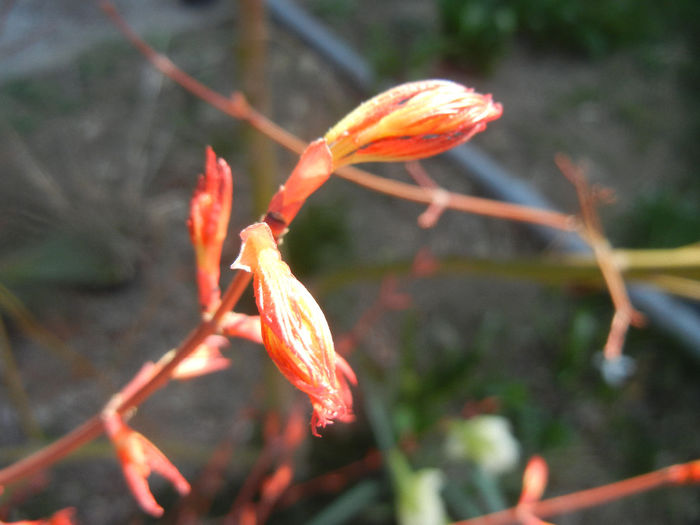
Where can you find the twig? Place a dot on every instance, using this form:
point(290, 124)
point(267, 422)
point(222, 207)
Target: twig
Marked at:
point(264, 461)
point(389, 299)
point(209, 482)
point(36, 174)
point(252, 51)
point(625, 313)
point(81, 365)
point(673, 475)
point(332, 481)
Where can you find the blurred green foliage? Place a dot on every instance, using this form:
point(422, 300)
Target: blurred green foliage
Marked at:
point(663, 219)
point(477, 33)
point(410, 60)
point(319, 240)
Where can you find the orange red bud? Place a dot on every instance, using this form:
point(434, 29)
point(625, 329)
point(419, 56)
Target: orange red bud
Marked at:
point(411, 121)
point(294, 329)
point(210, 210)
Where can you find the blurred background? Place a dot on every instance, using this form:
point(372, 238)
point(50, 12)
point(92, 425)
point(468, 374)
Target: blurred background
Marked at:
point(99, 154)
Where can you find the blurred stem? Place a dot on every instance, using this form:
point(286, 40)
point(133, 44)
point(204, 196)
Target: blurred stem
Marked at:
point(379, 419)
point(261, 165)
point(688, 288)
point(15, 387)
point(252, 53)
point(12, 306)
point(348, 504)
point(459, 501)
point(659, 259)
point(487, 485)
point(581, 270)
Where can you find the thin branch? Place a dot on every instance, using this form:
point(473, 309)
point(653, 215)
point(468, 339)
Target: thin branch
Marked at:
point(560, 271)
point(592, 233)
point(673, 475)
point(13, 307)
point(39, 177)
point(264, 461)
point(333, 481)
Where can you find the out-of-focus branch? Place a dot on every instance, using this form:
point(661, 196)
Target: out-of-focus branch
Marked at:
point(578, 270)
point(252, 53)
point(592, 233)
point(674, 475)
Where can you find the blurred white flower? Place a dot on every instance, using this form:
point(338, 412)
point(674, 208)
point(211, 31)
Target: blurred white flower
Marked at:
point(419, 499)
point(486, 440)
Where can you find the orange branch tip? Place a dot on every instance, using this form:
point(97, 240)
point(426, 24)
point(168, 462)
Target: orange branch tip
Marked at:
point(294, 330)
point(139, 457)
point(534, 480)
point(313, 169)
point(534, 485)
point(686, 473)
point(411, 121)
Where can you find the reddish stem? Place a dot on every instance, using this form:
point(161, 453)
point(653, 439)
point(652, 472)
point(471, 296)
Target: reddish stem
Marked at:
point(673, 475)
point(333, 481)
